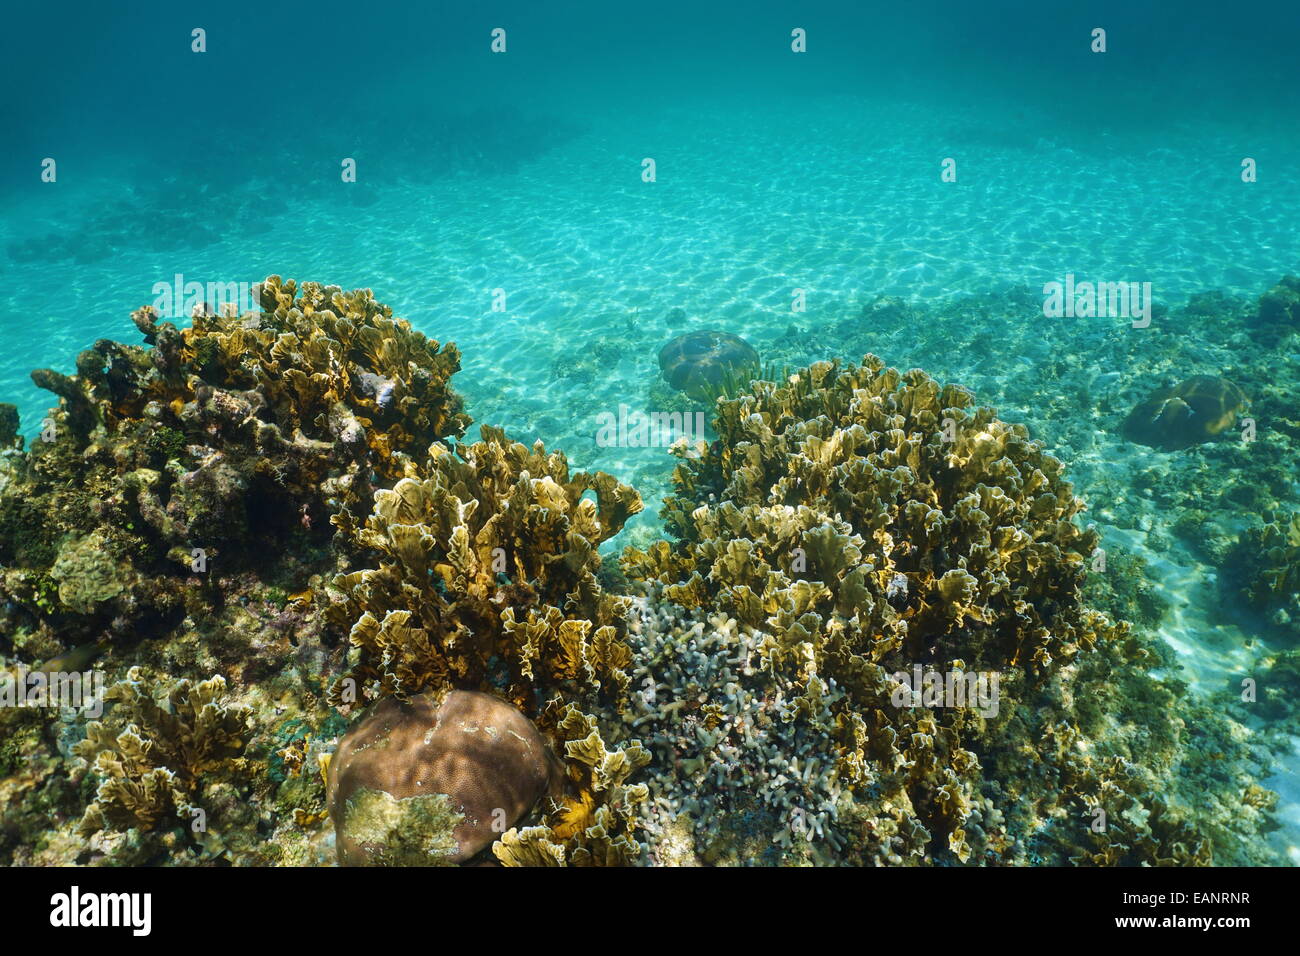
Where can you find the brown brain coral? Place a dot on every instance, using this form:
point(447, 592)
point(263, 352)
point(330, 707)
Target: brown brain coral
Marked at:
point(435, 779)
point(1186, 414)
point(702, 362)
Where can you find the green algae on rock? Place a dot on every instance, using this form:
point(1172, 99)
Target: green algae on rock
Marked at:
point(419, 830)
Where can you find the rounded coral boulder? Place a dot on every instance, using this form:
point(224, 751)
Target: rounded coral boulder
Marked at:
point(435, 779)
point(1194, 411)
point(699, 363)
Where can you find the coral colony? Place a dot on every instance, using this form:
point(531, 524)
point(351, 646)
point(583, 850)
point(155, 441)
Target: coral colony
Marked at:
point(338, 630)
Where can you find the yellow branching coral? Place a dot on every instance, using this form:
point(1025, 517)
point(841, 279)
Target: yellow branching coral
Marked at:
point(929, 525)
point(487, 557)
point(595, 823)
point(155, 756)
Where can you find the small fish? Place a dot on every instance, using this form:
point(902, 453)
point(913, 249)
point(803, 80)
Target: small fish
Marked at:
point(76, 659)
point(300, 600)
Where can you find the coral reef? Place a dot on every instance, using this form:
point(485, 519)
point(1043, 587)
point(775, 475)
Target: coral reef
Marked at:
point(9, 437)
point(416, 632)
point(171, 474)
point(435, 778)
point(173, 514)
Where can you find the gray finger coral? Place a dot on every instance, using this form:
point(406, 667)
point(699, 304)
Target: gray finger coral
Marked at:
point(736, 762)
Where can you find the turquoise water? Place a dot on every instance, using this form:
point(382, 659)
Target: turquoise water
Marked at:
point(839, 196)
point(776, 172)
